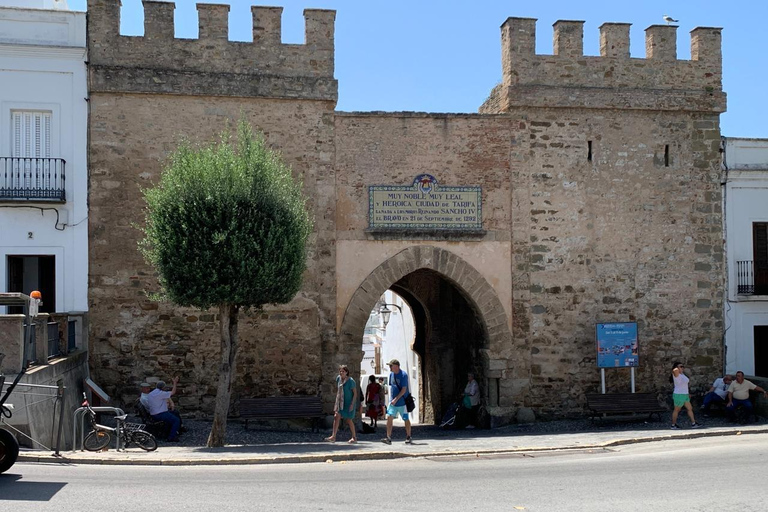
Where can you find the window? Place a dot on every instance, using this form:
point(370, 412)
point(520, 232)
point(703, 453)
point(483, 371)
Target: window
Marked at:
point(31, 134)
point(760, 256)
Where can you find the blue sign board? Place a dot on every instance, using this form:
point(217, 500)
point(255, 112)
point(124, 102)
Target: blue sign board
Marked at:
point(617, 345)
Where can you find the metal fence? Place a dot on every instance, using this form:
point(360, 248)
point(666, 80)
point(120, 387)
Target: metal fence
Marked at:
point(32, 178)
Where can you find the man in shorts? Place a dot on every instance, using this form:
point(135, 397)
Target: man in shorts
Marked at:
point(398, 386)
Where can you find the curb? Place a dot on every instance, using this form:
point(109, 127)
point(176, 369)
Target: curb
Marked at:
point(376, 455)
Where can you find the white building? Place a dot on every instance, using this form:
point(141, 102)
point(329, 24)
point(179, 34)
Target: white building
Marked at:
point(43, 159)
point(382, 343)
point(745, 200)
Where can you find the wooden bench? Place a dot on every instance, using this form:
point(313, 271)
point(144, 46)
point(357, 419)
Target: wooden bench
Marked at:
point(282, 408)
point(623, 403)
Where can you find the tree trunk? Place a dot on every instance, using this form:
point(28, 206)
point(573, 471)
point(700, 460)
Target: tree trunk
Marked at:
point(228, 327)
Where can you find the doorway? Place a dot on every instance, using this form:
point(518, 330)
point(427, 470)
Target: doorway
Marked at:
point(761, 351)
point(29, 273)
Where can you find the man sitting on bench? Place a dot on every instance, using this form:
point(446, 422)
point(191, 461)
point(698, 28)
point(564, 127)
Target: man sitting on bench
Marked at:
point(738, 394)
point(158, 408)
point(144, 399)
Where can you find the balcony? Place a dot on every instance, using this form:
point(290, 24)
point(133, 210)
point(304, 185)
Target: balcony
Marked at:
point(751, 280)
point(31, 179)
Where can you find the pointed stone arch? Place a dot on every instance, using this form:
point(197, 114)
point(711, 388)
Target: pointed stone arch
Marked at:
point(463, 275)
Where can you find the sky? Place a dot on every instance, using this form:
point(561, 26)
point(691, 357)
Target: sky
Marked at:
point(445, 55)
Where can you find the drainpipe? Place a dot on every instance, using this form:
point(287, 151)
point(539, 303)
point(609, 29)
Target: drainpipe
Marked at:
point(727, 290)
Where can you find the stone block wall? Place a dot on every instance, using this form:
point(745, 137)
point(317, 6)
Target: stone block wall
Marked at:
point(601, 203)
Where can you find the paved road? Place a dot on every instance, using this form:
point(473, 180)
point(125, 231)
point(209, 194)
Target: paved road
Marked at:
point(679, 474)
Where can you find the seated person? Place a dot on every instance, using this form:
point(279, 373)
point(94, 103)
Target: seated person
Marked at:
point(738, 394)
point(144, 399)
point(718, 393)
point(158, 408)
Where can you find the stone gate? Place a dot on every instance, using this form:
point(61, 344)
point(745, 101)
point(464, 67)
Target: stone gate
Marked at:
point(585, 190)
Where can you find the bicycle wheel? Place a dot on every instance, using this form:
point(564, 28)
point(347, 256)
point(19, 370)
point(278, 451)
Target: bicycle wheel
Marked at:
point(9, 450)
point(144, 440)
point(97, 440)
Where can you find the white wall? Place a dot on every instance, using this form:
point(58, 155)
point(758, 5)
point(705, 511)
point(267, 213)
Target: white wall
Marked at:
point(745, 201)
point(42, 67)
point(398, 340)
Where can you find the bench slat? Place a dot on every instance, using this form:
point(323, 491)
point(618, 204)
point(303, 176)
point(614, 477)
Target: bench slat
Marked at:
point(623, 403)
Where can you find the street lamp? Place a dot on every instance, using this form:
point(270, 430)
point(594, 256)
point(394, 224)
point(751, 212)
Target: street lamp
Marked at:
point(385, 313)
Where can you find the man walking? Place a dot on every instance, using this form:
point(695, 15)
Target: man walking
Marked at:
point(398, 386)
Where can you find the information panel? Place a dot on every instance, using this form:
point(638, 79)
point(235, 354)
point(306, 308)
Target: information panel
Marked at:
point(425, 204)
point(617, 345)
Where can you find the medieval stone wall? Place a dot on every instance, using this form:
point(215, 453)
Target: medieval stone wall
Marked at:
point(601, 203)
point(146, 94)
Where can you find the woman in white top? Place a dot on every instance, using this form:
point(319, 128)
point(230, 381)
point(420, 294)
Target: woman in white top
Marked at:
point(680, 395)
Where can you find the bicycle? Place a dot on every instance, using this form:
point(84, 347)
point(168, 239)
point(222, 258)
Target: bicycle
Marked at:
point(128, 433)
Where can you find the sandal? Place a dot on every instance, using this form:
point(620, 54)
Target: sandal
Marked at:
point(352, 441)
point(330, 439)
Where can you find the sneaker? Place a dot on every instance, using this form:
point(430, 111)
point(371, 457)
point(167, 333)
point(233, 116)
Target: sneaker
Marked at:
point(408, 440)
point(676, 427)
point(696, 425)
point(386, 440)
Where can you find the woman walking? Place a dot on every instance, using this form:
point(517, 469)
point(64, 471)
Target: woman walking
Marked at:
point(680, 395)
point(346, 400)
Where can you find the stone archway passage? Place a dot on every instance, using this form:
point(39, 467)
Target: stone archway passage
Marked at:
point(419, 273)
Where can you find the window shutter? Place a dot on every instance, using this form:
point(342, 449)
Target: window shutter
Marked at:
point(760, 244)
point(31, 134)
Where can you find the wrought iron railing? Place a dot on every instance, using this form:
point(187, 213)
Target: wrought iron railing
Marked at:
point(37, 179)
point(751, 279)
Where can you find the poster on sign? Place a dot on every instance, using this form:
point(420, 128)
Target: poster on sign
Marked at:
point(617, 345)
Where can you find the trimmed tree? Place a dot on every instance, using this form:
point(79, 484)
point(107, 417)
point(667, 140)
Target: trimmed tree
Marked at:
point(226, 227)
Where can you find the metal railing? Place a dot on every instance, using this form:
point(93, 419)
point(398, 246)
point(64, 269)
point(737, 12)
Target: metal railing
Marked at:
point(32, 178)
point(751, 279)
point(53, 340)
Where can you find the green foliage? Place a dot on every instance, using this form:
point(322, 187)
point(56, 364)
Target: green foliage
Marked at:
point(227, 223)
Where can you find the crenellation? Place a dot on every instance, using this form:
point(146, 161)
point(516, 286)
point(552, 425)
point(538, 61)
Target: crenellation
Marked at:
point(319, 28)
point(612, 80)
point(568, 38)
point(614, 40)
point(706, 45)
point(158, 59)
point(518, 46)
point(661, 42)
point(213, 21)
point(267, 24)
point(158, 20)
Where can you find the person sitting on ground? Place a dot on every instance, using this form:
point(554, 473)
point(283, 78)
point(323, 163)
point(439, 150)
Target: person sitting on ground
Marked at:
point(158, 408)
point(738, 395)
point(718, 393)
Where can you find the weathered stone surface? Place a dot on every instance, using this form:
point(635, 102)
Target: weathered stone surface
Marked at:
point(525, 415)
point(601, 203)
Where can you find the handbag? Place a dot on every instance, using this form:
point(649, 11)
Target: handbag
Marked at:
point(410, 403)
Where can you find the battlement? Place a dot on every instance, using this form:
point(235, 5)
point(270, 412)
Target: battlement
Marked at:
point(694, 84)
point(303, 69)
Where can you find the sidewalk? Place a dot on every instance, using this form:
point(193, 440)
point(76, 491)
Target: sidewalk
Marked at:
point(370, 448)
